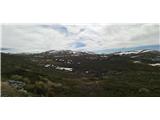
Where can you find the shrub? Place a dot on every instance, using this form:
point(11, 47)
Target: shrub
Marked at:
point(16, 77)
point(40, 88)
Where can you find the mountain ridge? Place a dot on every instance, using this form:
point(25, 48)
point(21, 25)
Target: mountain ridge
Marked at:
point(104, 51)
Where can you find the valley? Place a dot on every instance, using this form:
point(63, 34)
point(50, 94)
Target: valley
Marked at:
point(81, 74)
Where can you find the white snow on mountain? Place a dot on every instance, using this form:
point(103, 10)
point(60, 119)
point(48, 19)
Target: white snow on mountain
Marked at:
point(155, 64)
point(132, 52)
point(64, 68)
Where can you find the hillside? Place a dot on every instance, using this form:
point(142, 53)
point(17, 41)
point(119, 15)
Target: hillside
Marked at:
point(73, 73)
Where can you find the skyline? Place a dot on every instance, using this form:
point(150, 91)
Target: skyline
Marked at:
point(89, 37)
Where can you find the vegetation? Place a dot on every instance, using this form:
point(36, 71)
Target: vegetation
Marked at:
point(92, 75)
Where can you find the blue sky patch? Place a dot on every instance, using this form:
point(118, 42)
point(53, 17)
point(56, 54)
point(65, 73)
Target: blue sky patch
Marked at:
point(78, 45)
point(60, 28)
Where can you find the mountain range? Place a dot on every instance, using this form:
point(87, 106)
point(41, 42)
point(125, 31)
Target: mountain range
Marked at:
point(104, 51)
point(128, 72)
point(147, 47)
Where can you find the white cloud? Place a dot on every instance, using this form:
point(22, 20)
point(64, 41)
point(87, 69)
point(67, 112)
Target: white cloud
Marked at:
point(34, 38)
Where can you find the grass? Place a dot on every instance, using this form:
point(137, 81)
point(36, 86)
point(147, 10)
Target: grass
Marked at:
point(114, 77)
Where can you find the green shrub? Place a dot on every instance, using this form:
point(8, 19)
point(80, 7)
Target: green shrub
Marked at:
point(16, 77)
point(40, 88)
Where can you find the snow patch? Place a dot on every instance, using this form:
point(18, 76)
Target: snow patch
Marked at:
point(156, 64)
point(132, 52)
point(64, 68)
point(135, 56)
point(47, 65)
point(136, 61)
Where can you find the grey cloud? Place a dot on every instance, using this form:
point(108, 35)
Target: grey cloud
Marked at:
point(30, 38)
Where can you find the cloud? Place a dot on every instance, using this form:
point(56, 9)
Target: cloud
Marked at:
point(92, 37)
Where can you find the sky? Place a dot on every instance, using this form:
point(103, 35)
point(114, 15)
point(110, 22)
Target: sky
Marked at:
point(89, 37)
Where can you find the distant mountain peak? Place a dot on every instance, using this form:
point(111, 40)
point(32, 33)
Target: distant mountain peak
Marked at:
point(67, 52)
point(133, 49)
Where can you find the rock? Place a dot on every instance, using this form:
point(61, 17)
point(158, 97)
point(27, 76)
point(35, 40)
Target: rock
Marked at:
point(16, 84)
point(23, 90)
